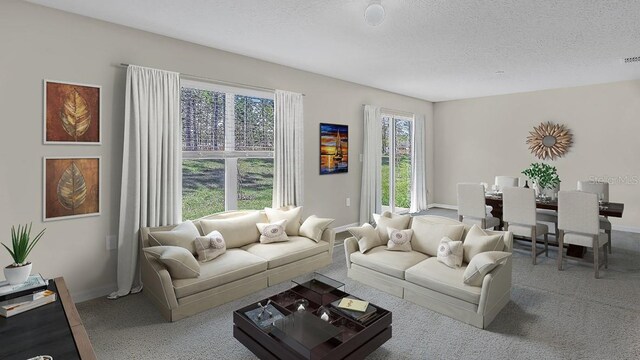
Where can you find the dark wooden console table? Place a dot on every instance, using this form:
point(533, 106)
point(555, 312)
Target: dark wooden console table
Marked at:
point(54, 329)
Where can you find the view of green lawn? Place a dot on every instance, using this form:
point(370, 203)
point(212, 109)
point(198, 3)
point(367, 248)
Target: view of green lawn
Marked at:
point(403, 181)
point(203, 186)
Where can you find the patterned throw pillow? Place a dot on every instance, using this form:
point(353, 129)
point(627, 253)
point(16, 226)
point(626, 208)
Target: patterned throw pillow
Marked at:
point(399, 240)
point(210, 246)
point(450, 252)
point(398, 222)
point(292, 216)
point(273, 232)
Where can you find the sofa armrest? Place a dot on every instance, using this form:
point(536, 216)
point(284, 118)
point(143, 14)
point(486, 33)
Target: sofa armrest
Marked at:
point(495, 285)
point(157, 281)
point(350, 246)
point(329, 235)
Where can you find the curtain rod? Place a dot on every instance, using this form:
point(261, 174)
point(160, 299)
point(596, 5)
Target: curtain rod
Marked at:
point(219, 82)
point(397, 112)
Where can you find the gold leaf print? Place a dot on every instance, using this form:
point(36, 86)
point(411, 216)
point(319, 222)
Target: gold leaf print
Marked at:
point(75, 115)
point(72, 189)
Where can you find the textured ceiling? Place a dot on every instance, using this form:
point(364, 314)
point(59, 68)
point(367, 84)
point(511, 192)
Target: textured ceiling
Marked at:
point(430, 49)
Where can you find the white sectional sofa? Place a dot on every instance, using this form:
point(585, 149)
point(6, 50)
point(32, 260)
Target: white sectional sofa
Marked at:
point(422, 279)
point(245, 267)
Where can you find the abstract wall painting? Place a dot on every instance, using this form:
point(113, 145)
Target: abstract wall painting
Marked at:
point(71, 187)
point(72, 113)
point(334, 149)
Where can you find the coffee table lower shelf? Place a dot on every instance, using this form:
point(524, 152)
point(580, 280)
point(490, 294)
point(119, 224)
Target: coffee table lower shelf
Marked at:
point(278, 353)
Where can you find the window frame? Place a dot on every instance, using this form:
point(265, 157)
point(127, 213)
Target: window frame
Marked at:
point(393, 115)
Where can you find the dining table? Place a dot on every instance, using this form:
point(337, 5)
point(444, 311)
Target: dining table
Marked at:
point(608, 209)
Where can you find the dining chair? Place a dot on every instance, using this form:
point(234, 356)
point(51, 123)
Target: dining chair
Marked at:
point(602, 190)
point(550, 216)
point(471, 206)
point(579, 224)
point(519, 216)
point(506, 181)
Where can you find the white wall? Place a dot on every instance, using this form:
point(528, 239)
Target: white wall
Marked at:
point(39, 43)
point(477, 139)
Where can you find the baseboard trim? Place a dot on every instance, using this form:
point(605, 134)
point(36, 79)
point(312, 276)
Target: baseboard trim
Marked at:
point(443, 206)
point(345, 227)
point(94, 293)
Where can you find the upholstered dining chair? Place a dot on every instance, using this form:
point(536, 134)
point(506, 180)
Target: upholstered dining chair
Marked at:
point(471, 206)
point(506, 181)
point(519, 216)
point(550, 216)
point(579, 224)
point(602, 190)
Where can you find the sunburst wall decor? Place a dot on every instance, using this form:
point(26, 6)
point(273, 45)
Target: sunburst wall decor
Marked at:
point(549, 141)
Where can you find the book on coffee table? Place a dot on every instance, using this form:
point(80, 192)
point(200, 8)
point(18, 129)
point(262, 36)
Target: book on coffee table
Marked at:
point(354, 314)
point(46, 297)
point(34, 283)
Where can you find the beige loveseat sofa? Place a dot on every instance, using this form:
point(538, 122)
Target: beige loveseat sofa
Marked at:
point(241, 270)
point(422, 279)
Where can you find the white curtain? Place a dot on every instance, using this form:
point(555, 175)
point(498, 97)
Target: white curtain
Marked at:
point(419, 165)
point(289, 150)
point(151, 165)
point(371, 189)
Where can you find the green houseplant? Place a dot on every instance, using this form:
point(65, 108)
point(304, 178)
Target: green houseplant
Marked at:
point(21, 246)
point(543, 175)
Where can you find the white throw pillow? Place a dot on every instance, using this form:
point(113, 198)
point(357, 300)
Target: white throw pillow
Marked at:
point(273, 232)
point(179, 261)
point(450, 252)
point(182, 235)
point(427, 235)
point(385, 213)
point(482, 264)
point(367, 237)
point(477, 241)
point(399, 222)
point(292, 216)
point(313, 227)
point(237, 231)
point(210, 246)
point(399, 240)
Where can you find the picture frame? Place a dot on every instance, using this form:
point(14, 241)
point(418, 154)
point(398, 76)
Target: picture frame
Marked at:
point(72, 113)
point(71, 187)
point(334, 148)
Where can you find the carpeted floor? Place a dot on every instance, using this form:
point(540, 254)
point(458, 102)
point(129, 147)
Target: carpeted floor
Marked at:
point(552, 315)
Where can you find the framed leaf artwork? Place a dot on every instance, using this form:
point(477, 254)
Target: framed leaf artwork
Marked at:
point(334, 149)
point(71, 187)
point(72, 113)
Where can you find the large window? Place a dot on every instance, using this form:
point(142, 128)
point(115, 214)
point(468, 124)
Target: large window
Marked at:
point(227, 149)
point(396, 162)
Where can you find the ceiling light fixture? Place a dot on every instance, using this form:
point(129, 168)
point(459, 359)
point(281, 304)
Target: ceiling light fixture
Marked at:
point(374, 13)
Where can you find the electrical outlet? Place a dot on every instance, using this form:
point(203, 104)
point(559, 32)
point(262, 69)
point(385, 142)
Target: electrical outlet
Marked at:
point(348, 201)
point(112, 242)
point(360, 157)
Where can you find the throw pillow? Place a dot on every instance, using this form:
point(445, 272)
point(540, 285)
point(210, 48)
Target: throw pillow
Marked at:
point(427, 235)
point(478, 241)
point(400, 222)
point(385, 213)
point(210, 246)
point(179, 261)
point(181, 235)
point(367, 237)
point(292, 216)
point(272, 232)
point(237, 231)
point(450, 252)
point(313, 227)
point(399, 240)
point(482, 264)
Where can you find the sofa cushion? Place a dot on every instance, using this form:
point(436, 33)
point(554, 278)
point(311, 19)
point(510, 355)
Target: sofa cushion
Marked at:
point(437, 276)
point(233, 265)
point(427, 235)
point(281, 253)
point(482, 264)
point(237, 231)
point(399, 222)
point(292, 216)
point(179, 261)
point(450, 252)
point(392, 263)
point(399, 240)
point(210, 246)
point(313, 227)
point(272, 232)
point(182, 235)
point(367, 237)
point(477, 241)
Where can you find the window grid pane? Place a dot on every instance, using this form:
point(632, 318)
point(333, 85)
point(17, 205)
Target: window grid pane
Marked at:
point(203, 115)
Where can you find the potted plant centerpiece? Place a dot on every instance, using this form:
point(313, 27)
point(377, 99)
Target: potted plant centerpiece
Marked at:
point(21, 246)
point(543, 176)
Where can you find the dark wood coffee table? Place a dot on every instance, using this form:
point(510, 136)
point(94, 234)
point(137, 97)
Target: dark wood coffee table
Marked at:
point(303, 335)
